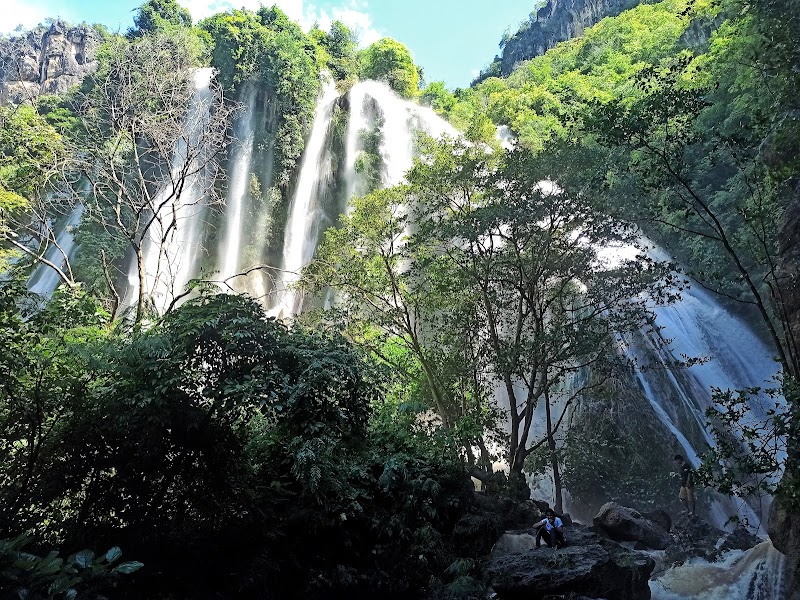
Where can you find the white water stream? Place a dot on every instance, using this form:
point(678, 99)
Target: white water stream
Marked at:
point(300, 237)
point(44, 279)
point(173, 242)
point(239, 174)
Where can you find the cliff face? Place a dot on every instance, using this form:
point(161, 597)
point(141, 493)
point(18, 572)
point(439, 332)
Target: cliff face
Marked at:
point(46, 60)
point(557, 21)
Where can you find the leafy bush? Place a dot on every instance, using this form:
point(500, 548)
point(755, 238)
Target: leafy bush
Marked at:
point(82, 575)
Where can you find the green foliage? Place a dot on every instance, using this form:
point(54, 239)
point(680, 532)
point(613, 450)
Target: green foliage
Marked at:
point(45, 376)
point(750, 445)
point(218, 428)
point(31, 151)
point(515, 244)
point(438, 97)
point(390, 61)
point(155, 15)
point(267, 47)
point(340, 46)
point(544, 97)
point(50, 577)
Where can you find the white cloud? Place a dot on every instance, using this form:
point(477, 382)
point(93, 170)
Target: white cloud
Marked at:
point(201, 9)
point(352, 13)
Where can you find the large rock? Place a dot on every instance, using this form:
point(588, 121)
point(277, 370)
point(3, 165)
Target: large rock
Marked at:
point(46, 60)
point(659, 516)
point(589, 565)
point(626, 524)
point(692, 537)
point(489, 516)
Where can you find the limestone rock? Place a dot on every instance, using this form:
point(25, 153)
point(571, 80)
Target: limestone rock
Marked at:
point(46, 60)
point(626, 524)
point(661, 517)
point(557, 21)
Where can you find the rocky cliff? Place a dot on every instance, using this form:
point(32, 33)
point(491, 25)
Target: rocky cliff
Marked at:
point(556, 21)
point(46, 60)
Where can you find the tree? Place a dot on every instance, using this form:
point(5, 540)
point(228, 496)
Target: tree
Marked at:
point(31, 154)
point(438, 97)
point(45, 383)
point(390, 61)
point(340, 44)
point(269, 48)
point(155, 15)
point(493, 281)
point(152, 133)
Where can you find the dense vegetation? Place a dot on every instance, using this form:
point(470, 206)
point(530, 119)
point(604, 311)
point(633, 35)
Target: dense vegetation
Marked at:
point(236, 456)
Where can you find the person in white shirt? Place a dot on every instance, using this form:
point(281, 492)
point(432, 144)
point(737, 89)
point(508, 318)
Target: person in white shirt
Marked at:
point(551, 529)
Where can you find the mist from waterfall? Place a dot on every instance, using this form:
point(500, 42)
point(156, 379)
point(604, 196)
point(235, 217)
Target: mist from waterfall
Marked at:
point(239, 179)
point(174, 241)
point(44, 279)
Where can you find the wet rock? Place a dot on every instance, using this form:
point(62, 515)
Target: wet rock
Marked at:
point(589, 566)
point(626, 524)
point(693, 537)
point(661, 517)
point(739, 539)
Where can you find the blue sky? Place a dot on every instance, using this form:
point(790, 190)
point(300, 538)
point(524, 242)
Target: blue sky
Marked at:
point(451, 39)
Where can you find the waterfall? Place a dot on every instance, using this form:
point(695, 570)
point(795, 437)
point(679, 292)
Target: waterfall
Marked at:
point(301, 233)
point(44, 279)
point(241, 159)
point(401, 118)
point(357, 124)
point(756, 574)
point(734, 358)
point(173, 242)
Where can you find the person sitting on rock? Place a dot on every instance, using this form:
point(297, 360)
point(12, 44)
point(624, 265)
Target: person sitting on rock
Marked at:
point(686, 494)
point(551, 529)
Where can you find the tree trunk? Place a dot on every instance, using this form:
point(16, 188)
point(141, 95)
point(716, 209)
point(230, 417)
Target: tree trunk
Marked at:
point(551, 442)
point(142, 284)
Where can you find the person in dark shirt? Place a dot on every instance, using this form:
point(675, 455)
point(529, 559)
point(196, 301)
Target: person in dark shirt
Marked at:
point(687, 483)
point(550, 528)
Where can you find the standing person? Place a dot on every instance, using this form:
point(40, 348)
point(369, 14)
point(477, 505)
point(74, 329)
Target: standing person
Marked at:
point(550, 528)
point(687, 483)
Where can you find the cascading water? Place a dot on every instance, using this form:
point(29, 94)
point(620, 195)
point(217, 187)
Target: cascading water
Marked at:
point(44, 279)
point(301, 234)
point(244, 132)
point(733, 358)
point(401, 118)
point(756, 574)
point(174, 240)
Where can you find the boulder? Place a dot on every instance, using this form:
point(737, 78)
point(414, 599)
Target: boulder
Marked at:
point(661, 517)
point(693, 537)
point(626, 524)
point(489, 516)
point(739, 539)
point(589, 566)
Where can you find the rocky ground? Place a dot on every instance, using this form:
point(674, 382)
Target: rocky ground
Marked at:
point(608, 559)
